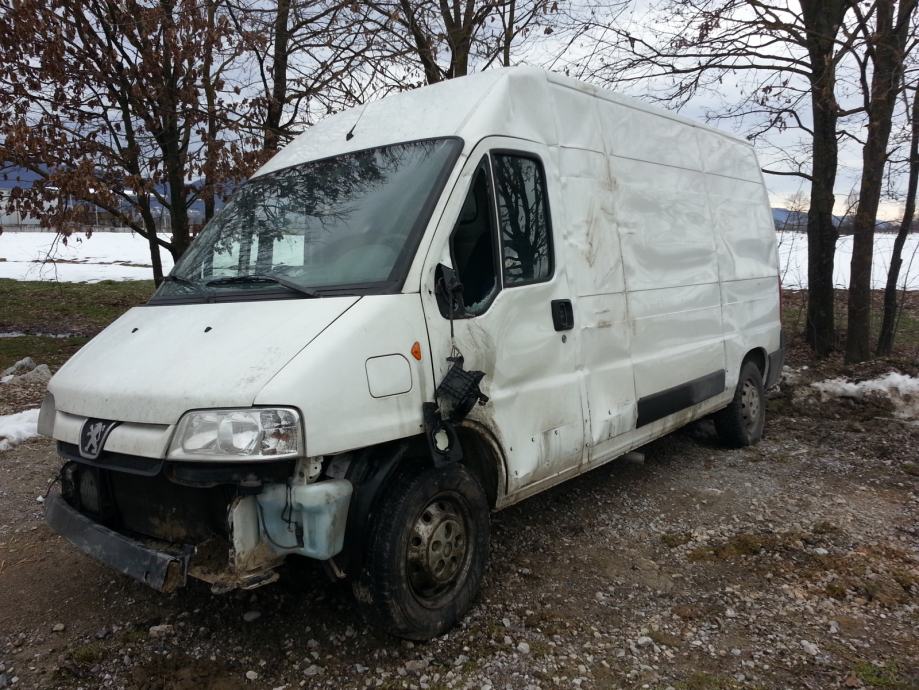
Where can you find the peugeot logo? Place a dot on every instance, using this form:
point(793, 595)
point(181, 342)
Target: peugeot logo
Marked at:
point(93, 436)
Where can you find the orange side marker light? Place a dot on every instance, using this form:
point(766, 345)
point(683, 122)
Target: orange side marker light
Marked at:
point(416, 350)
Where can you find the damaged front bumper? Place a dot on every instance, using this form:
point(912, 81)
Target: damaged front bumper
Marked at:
point(227, 528)
point(158, 569)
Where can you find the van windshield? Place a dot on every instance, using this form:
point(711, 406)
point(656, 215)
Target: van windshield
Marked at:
point(347, 223)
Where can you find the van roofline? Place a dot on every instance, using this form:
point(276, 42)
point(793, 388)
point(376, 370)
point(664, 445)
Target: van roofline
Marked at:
point(455, 107)
point(634, 103)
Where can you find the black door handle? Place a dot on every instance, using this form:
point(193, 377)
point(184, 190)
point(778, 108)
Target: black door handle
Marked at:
point(562, 314)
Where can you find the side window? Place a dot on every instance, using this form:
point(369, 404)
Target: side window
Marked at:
point(523, 216)
point(472, 245)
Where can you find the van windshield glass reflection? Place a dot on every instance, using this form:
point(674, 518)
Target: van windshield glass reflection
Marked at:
point(339, 222)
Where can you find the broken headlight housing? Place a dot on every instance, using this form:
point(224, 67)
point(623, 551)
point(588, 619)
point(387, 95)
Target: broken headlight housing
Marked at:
point(263, 433)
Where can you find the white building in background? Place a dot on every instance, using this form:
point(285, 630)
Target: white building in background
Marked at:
point(101, 222)
point(15, 222)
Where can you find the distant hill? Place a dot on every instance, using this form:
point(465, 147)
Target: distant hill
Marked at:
point(784, 218)
point(797, 220)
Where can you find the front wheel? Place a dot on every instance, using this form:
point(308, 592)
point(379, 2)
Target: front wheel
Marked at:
point(741, 423)
point(426, 554)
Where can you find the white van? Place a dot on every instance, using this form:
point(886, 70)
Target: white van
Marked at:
point(421, 310)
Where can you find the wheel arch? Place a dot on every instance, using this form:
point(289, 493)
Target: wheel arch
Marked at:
point(373, 470)
point(759, 357)
point(483, 457)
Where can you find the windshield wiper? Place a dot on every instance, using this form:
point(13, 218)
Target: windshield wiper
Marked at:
point(182, 281)
point(262, 278)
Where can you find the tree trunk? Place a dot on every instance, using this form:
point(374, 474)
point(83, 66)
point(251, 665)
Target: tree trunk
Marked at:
point(432, 73)
point(278, 97)
point(210, 95)
point(459, 65)
point(822, 19)
point(886, 336)
point(459, 25)
point(174, 161)
point(889, 42)
point(150, 226)
point(508, 34)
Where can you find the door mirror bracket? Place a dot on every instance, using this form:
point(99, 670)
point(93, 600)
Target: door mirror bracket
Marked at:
point(449, 292)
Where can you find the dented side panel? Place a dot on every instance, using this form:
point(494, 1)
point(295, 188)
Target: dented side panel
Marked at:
point(532, 373)
point(586, 219)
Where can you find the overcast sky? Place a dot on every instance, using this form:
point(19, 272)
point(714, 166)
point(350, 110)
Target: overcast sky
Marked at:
point(641, 20)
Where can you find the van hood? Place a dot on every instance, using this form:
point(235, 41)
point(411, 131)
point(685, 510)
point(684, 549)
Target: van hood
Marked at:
point(158, 361)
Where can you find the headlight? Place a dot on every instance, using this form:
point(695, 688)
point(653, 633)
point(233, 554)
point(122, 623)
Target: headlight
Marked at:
point(232, 435)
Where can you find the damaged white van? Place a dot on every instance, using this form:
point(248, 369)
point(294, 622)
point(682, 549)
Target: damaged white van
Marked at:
point(421, 310)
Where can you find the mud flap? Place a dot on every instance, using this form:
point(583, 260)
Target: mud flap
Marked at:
point(162, 571)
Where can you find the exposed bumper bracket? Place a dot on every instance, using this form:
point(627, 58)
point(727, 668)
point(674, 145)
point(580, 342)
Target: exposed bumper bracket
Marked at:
point(160, 570)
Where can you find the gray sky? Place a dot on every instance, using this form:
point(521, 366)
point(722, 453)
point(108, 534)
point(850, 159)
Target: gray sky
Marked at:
point(640, 20)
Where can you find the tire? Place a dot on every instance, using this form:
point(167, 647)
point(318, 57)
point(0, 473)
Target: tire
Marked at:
point(426, 553)
point(741, 423)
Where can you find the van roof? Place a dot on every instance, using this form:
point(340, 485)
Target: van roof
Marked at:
point(510, 101)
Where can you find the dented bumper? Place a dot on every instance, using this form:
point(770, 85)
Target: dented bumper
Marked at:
point(197, 521)
point(158, 569)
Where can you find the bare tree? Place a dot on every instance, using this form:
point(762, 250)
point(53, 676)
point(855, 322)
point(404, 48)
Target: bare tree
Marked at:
point(822, 21)
point(450, 38)
point(786, 56)
point(307, 58)
point(104, 101)
point(887, 42)
point(891, 303)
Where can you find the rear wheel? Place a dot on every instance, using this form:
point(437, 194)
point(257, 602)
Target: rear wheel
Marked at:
point(427, 553)
point(741, 423)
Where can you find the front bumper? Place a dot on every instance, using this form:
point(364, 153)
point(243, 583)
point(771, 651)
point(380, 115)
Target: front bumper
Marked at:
point(230, 526)
point(158, 569)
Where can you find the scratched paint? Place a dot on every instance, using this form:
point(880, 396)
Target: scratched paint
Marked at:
point(662, 241)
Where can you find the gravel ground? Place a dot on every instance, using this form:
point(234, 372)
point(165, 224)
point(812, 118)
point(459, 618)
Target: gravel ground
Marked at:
point(794, 564)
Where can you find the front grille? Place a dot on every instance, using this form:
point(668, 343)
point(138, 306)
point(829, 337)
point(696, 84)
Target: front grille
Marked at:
point(120, 462)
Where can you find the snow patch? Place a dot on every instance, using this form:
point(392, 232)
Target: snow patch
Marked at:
point(793, 260)
point(900, 389)
point(103, 256)
point(16, 428)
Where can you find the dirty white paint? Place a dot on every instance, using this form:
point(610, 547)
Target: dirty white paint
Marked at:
point(156, 362)
point(328, 382)
point(665, 245)
point(663, 242)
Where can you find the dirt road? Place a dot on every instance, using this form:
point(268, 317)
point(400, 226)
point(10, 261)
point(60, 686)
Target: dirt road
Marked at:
point(791, 564)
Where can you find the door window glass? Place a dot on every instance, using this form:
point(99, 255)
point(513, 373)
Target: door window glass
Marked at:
point(523, 216)
point(472, 245)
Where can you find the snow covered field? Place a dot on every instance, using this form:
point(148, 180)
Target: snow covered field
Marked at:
point(125, 256)
point(793, 261)
point(104, 256)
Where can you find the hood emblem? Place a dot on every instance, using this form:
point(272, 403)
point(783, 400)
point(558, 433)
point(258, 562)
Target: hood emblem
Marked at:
point(93, 436)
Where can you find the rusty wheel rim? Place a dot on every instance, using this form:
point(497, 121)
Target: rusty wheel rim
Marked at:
point(438, 548)
point(750, 404)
